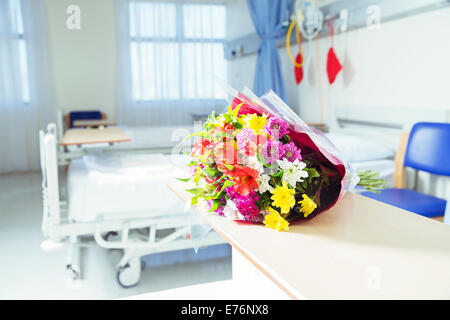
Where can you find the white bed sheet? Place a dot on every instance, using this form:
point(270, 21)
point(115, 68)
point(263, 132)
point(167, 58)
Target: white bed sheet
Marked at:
point(110, 186)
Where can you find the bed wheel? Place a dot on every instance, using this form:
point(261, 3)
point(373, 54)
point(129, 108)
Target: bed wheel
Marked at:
point(128, 275)
point(73, 272)
point(110, 234)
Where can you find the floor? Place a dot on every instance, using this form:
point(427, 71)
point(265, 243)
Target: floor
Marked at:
point(27, 272)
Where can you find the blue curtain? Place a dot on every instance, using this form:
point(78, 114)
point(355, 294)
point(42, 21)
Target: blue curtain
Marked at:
point(267, 16)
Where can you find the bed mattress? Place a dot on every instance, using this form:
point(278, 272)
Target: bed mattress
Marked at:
point(111, 186)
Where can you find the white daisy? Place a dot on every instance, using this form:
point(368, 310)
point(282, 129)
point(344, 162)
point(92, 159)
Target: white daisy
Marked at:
point(263, 183)
point(293, 171)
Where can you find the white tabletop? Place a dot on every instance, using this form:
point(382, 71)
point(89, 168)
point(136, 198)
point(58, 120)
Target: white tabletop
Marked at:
point(359, 249)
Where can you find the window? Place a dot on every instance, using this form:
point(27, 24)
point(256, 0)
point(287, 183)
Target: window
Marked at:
point(15, 7)
point(176, 50)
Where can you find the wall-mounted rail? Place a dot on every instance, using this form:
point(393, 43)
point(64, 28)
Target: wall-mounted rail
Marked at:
point(360, 14)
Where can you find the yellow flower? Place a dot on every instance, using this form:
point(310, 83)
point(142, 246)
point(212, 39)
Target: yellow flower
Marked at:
point(308, 205)
point(283, 197)
point(220, 122)
point(275, 221)
point(256, 123)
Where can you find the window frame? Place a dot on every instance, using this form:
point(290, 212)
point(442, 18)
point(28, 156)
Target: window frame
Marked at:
point(19, 33)
point(179, 39)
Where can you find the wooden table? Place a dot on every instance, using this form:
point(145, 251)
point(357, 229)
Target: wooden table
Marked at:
point(359, 249)
point(92, 136)
point(93, 123)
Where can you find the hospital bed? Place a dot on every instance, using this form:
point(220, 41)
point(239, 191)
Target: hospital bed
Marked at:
point(143, 139)
point(116, 201)
point(162, 139)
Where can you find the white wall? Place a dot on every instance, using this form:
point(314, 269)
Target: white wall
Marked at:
point(403, 64)
point(84, 61)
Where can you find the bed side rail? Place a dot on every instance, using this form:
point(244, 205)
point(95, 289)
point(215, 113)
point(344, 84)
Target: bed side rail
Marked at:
point(50, 184)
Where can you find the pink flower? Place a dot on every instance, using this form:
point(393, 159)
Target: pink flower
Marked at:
point(277, 128)
point(291, 152)
point(219, 210)
point(192, 170)
point(272, 151)
point(247, 141)
point(246, 205)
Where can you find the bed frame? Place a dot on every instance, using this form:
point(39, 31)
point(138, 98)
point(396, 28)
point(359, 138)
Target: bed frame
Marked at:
point(60, 231)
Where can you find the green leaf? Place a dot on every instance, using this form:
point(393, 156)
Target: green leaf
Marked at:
point(210, 172)
point(237, 125)
point(229, 167)
point(219, 194)
point(215, 205)
point(279, 174)
point(312, 173)
point(236, 110)
point(201, 133)
point(184, 180)
point(304, 184)
point(285, 139)
point(194, 201)
point(196, 191)
point(227, 184)
point(228, 117)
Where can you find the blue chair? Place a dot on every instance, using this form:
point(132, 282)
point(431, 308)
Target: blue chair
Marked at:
point(428, 150)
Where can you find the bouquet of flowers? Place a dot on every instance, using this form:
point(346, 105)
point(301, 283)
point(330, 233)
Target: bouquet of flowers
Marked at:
point(259, 162)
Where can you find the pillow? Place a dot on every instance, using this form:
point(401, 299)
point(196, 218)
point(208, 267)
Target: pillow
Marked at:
point(356, 148)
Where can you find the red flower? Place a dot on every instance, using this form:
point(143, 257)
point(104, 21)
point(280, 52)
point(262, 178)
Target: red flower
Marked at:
point(229, 128)
point(244, 179)
point(201, 146)
point(226, 153)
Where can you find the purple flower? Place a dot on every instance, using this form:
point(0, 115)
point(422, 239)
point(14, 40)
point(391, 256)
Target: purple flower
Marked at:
point(277, 128)
point(208, 205)
point(244, 137)
point(230, 192)
point(291, 152)
point(272, 151)
point(219, 211)
point(246, 205)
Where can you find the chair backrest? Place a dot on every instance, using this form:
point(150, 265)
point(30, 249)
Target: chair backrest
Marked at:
point(429, 148)
point(50, 184)
point(84, 115)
